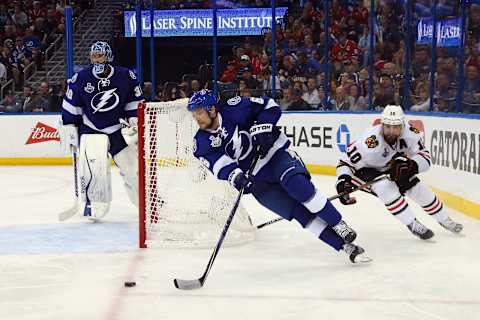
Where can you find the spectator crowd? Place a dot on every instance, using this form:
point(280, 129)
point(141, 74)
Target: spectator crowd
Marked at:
point(27, 29)
point(301, 55)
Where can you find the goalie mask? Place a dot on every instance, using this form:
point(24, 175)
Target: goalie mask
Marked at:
point(100, 56)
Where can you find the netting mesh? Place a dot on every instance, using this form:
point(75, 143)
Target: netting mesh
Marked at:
point(185, 205)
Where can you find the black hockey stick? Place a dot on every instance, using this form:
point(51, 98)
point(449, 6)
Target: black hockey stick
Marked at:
point(198, 283)
point(67, 214)
point(344, 193)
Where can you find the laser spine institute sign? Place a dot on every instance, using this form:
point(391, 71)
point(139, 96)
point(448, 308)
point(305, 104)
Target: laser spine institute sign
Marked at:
point(448, 32)
point(198, 23)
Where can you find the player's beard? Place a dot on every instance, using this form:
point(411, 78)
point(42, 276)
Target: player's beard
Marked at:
point(390, 139)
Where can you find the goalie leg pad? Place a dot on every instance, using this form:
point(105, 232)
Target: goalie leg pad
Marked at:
point(94, 172)
point(126, 161)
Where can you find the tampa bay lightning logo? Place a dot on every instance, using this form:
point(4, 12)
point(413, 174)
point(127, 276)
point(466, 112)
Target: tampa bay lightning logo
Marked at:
point(105, 101)
point(239, 146)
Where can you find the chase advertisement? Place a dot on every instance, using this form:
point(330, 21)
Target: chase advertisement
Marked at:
point(199, 23)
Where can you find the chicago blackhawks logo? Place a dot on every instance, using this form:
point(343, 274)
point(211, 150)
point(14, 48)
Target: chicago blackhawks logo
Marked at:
point(105, 101)
point(371, 142)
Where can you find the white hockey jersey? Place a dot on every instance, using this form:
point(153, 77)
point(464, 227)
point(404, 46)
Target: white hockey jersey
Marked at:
point(371, 150)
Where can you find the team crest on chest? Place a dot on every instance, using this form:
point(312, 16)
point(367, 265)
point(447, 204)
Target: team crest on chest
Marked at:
point(89, 88)
point(105, 101)
point(371, 142)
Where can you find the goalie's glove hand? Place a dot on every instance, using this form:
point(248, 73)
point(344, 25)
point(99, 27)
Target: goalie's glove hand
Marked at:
point(68, 138)
point(402, 168)
point(239, 180)
point(344, 183)
point(263, 136)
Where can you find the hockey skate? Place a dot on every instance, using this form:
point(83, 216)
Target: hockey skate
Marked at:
point(356, 254)
point(344, 231)
point(418, 229)
point(451, 225)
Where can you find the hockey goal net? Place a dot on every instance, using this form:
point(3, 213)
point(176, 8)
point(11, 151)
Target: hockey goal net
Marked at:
point(181, 203)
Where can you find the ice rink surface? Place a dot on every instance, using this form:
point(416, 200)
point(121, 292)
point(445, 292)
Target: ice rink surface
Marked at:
point(76, 270)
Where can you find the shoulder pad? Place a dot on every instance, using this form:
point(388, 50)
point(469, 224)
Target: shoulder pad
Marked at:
point(414, 129)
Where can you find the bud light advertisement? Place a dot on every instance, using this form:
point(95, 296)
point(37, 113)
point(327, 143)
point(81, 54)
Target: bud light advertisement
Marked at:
point(448, 32)
point(199, 23)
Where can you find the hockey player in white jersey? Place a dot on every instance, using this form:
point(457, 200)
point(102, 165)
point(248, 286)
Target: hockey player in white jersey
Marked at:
point(97, 99)
point(395, 147)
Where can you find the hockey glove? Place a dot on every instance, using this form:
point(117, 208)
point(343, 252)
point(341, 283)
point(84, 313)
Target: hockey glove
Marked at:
point(344, 183)
point(402, 169)
point(264, 136)
point(68, 138)
point(239, 180)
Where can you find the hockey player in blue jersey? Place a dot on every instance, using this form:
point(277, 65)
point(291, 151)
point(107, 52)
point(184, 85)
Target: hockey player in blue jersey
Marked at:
point(97, 98)
point(229, 136)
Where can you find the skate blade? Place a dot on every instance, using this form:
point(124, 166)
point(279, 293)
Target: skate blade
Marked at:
point(362, 259)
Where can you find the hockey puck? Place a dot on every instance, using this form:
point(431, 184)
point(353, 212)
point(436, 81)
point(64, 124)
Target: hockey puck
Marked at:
point(130, 284)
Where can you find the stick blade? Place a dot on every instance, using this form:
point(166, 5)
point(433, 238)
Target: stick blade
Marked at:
point(67, 214)
point(187, 284)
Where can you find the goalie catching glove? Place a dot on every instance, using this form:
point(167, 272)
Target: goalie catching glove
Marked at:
point(402, 168)
point(344, 183)
point(68, 138)
point(264, 136)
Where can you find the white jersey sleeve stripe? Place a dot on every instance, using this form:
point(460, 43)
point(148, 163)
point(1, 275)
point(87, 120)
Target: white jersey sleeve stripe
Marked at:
point(107, 130)
point(221, 163)
point(132, 105)
point(271, 103)
point(67, 106)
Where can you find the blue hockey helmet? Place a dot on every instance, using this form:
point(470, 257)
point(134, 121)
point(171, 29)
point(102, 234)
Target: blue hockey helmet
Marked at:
point(204, 99)
point(99, 49)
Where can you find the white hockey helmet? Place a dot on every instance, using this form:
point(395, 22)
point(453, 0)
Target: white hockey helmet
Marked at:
point(393, 115)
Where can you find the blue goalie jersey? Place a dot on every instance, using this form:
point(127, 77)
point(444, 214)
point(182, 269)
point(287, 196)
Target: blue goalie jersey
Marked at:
point(97, 104)
point(230, 146)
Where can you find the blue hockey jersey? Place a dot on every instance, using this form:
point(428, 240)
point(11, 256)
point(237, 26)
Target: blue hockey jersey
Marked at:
point(230, 146)
point(97, 104)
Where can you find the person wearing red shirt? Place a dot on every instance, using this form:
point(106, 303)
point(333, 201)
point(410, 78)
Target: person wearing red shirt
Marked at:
point(344, 49)
point(38, 11)
point(230, 74)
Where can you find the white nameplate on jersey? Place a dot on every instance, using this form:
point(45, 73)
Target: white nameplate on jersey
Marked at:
point(105, 101)
point(89, 88)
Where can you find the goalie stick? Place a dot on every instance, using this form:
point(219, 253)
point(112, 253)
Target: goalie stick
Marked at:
point(344, 193)
point(198, 283)
point(67, 214)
